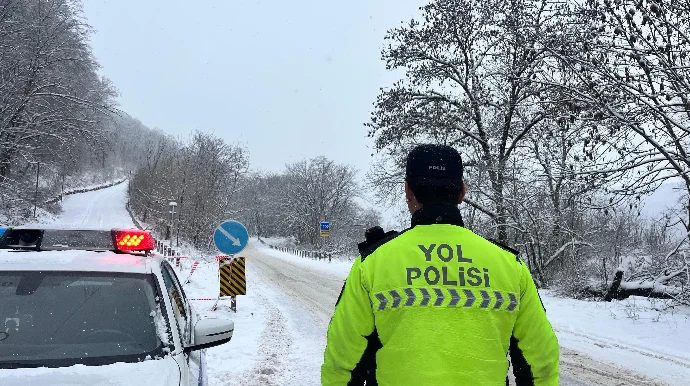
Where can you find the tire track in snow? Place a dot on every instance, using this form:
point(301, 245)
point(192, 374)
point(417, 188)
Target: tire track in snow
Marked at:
point(87, 212)
point(648, 353)
point(275, 347)
point(306, 298)
point(582, 370)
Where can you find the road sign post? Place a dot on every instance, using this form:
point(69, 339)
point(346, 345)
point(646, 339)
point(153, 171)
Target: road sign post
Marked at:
point(231, 237)
point(233, 282)
point(325, 228)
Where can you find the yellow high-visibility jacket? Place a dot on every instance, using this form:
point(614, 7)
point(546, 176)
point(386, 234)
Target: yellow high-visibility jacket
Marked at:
point(439, 305)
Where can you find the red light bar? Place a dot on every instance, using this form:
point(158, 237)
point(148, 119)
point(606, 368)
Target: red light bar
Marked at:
point(133, 240)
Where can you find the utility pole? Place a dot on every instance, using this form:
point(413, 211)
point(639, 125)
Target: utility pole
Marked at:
point(38, 171)
point(62, 190)
point(173, 204)
point(129, 184)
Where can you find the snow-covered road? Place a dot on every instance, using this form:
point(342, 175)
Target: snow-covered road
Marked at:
point(281, 323)
point(100, 209)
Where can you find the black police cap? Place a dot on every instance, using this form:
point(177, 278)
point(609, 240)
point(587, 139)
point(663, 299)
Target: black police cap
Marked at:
point(430, 162)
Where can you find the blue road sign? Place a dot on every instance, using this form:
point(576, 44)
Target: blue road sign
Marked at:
point(325, 226)
point(231, 237)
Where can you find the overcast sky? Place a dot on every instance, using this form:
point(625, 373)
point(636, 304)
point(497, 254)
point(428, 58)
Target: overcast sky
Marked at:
point(289, 79)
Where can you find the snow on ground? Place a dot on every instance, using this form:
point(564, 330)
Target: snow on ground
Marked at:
point(628, 333)
point(305, 298)
point(280, 325)
point(100, 209)
point(227, 363)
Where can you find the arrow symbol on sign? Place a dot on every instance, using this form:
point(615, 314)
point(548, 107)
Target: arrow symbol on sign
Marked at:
point(235, 241)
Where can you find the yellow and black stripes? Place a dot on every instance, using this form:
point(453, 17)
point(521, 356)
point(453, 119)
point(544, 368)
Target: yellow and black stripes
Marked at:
point(239, 275)
point(233, 280)
point(445, 297)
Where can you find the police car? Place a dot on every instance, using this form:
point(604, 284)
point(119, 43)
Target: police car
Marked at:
point(97, 308)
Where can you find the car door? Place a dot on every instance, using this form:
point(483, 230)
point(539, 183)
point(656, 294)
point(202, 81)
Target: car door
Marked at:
point(186, 320)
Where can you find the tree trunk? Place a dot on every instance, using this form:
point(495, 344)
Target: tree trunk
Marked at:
point(501, 219)
point(615, 286)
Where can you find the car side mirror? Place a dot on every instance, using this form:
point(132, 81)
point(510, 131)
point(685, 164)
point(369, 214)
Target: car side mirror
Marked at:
point(211, 333)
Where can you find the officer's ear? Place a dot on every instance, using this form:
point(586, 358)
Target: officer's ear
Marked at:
point(462, 193)
point(412, 204)
point(409, 194)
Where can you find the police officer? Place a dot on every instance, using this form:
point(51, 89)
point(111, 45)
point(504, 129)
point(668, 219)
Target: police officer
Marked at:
point(437, 304)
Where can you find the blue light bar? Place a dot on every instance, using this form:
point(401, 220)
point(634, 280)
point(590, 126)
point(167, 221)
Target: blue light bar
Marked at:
point(2, 231)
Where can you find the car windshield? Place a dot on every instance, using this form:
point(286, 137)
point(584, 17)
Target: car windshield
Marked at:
point(57, 319)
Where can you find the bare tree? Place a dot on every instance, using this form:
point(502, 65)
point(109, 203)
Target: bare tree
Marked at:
point(471, 70)
point(630, 59)
point(52, 101)
point(317, 190)
point(203, 175)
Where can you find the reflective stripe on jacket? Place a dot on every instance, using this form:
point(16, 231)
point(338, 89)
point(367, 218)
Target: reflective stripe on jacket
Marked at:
point(439, 305)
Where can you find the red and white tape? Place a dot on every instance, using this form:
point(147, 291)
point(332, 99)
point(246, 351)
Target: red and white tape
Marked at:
point(196, 263)
point(221, 257)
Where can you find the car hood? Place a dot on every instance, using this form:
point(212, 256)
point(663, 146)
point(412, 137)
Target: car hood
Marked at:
point(148, 373)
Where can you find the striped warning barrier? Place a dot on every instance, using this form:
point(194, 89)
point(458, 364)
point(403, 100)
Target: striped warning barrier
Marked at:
point(239, 279)
point(233, 277)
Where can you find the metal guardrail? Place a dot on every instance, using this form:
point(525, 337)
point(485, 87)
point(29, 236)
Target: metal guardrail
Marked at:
point(172, 255)
point(314, 255)
point(70, 192)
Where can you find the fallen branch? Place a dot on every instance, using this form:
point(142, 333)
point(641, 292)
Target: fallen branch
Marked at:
point(656, 288)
